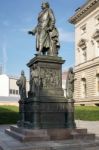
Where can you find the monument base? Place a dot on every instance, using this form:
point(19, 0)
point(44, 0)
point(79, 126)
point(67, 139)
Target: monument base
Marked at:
point(45, 107)
point(26, 135)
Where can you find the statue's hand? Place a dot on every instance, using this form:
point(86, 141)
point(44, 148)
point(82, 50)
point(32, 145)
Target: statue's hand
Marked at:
point(30, 32)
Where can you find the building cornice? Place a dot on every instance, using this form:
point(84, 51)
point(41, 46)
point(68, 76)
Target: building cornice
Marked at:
point(84, 10)
point(89, 64)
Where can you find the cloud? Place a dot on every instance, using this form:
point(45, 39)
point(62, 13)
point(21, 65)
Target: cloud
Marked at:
point(66, 36)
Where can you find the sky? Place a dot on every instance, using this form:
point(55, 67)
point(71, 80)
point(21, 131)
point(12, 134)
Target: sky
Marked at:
point(17, 17)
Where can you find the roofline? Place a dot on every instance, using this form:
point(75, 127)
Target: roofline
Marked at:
point(83, 11)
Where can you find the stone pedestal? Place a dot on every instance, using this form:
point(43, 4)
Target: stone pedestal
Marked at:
point(70, 115)
point(46, 106)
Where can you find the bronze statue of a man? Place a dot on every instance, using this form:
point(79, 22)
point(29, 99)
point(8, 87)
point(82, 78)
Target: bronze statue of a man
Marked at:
point(21, 82)
point(47, 37)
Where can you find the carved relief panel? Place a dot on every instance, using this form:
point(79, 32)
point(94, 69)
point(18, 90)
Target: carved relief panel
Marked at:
point(51, 78)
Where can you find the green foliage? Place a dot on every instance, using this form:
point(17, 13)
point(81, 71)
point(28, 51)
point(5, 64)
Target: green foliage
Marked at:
point(88, 113)
point(8, 114)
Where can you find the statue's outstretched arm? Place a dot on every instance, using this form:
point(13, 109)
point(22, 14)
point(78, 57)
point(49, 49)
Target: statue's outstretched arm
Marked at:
point(33, 32)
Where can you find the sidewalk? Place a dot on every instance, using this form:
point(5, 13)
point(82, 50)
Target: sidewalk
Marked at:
point(92, 126)
point(9, 143)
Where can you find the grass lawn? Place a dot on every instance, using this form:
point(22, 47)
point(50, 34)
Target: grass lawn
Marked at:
point(10, 115)
point(88, 113)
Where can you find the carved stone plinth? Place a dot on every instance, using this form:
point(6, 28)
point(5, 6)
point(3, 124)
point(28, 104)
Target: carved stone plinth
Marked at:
point(46, 106)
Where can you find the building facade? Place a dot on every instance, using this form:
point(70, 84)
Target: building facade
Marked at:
point(86, 21)
point(8, 87)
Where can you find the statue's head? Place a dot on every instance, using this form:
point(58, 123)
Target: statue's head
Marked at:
point(45, 5)
point(71, 69)
point(22, 72)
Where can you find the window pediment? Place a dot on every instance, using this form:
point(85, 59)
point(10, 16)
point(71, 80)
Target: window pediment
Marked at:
point(96, 35)
point(82, 43)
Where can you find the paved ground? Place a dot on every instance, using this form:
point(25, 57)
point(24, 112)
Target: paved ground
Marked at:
point(9, 100)
point(9, 143)
point(92, 126)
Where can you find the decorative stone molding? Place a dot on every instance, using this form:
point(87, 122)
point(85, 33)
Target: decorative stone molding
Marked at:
point(92, 42)
point(84, 10)
point(96, 35)
point(82, 43)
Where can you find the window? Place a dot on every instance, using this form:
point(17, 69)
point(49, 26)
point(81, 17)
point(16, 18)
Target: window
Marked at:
point(96, 41)
point(83, 29)
point(82, 45)
point(84, 89)
point(16, 92)
point(96, 48)
point(13, 91)
point(84, 53)
point(10, 91)
point(97, 20)
point(97, 44)
point(97, 84)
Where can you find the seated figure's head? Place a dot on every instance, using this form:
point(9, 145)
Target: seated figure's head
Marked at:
point(45, 5)
point(22, 72)
point(71, 69)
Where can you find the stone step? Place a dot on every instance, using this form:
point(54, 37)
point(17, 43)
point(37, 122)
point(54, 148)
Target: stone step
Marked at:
point(15, 135)
point(54, 134)
point(24, 138)
point(23, 134)
point(59, 134)
point(30, 132)
point(81, 131)
point(83, 136)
